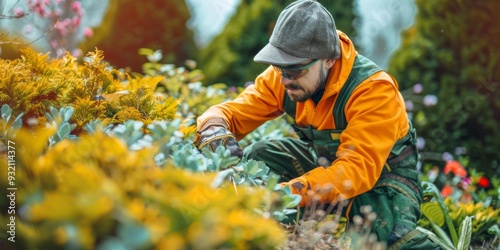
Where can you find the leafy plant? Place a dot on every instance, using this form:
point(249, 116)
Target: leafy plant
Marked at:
point(59, 121)
point(96, 192)
point(437, 215)
point(185, 83)
point(448, 61)
point(9, 126)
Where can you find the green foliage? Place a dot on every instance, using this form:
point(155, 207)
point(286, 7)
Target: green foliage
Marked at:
point(135, 183)
point(229, 56)
point(96, 192)
point(10, 126)
point(451, 50)
point(276, 128)
point(59, 121)
point(432, 193)
point(130, 25)
point(476, 222)
point(184, 84)
point(30, 85)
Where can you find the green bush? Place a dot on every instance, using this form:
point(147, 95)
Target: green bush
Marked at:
point(95, 192)
point(130, 25)
point(452, 51)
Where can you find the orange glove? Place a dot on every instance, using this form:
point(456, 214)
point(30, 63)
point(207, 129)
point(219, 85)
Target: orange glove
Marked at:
point(314, 186)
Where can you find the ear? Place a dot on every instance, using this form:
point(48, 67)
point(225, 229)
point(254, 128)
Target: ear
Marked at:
point(329, 63)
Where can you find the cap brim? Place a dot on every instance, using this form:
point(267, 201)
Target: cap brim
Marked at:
point(273, 55)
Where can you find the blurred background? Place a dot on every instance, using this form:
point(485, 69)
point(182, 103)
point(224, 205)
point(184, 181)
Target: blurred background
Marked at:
point(444, 54)
point(191, 29)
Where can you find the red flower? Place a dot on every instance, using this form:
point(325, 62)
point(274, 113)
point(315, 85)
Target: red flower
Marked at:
point(446, 191)
point(456, 168)
point(483, 182)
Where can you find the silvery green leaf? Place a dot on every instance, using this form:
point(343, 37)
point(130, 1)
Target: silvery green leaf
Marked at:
point(272, 180)
point(465, 233)
point(295, 200)
point(442, 234)
point(93, 126)
point(6, 112)
point(112, 243)
point(18, 122)
point(221, 176)
point(289, 210)
point(55, 138)
point(49, 117)
point(279, 216)
point(53, 112)
point(68, 112)
point(64, 130)
point(133, 235)
point(434, 238)
point(252, 167)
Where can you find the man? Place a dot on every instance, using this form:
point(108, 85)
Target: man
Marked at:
point(356, 141)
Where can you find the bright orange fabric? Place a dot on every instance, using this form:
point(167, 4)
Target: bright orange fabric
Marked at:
point(376, 120)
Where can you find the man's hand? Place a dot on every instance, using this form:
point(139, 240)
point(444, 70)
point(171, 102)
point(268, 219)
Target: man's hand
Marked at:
point(216, 136)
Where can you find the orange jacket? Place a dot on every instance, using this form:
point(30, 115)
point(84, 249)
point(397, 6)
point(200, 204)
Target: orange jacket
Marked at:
point(376, 120)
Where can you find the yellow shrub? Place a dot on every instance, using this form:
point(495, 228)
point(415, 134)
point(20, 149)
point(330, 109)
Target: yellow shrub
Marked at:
point(94, 191)
point(33, 83)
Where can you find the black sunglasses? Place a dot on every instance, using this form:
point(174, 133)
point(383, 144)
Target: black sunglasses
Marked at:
point(294, 72)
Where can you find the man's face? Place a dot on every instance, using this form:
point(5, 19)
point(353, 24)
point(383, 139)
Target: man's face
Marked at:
point(313, 81)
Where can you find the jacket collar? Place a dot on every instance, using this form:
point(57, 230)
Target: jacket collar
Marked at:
point(342, 68)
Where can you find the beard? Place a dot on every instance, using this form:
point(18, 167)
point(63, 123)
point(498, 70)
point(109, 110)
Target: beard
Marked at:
point(298, 97)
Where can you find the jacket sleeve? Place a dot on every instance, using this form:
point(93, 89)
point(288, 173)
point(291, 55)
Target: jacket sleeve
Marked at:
point(258, 103)
point(376, 120)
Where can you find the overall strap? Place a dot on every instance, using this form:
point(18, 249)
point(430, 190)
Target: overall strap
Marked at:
point(362, 69)
point(289, 106)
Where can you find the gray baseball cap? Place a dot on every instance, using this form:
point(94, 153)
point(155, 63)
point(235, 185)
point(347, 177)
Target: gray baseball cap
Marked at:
point(304, 29)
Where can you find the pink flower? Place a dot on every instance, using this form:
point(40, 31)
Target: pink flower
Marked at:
point(58, 12)
point(27, 29)
point(87, 32)
point(76, 21)
point(54, 44)
point(63, 26)
point(465, 183)
point(19, 12)
point(76, 6)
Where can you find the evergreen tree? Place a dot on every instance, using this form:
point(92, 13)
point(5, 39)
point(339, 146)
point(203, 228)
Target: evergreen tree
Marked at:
point(131, 25)
point(229, 57)
point(452, 50)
